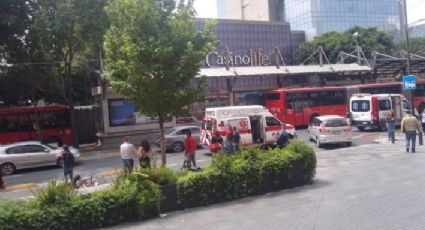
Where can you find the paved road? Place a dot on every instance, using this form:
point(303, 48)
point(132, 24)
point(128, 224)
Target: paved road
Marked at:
point(371, 186)
point(108, 160)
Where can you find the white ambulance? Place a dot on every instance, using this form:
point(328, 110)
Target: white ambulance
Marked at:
point(370, 110)
point(256, 125)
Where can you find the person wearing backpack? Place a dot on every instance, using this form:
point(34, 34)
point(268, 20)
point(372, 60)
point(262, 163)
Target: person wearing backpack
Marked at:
point(68, 163)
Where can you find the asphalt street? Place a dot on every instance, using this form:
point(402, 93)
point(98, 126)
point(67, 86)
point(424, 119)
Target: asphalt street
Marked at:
point(369, 186)
point(98, 162)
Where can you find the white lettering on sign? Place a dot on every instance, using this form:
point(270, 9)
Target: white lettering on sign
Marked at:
point(253, 58)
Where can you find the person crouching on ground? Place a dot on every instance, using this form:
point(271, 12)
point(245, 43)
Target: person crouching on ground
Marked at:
point(190, 147)
point(409, 126)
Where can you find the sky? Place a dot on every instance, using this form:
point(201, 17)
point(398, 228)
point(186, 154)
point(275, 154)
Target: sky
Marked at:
point(208, 9)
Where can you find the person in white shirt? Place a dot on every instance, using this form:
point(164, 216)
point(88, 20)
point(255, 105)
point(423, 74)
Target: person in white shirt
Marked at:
point(128, 154)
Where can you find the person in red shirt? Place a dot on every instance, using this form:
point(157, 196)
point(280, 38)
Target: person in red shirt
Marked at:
point(190, 147)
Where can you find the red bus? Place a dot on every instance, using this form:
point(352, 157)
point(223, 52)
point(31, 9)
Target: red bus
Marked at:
point(20, 124)
point(297, 106)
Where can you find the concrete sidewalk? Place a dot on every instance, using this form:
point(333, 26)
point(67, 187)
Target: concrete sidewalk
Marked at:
point(399, 138)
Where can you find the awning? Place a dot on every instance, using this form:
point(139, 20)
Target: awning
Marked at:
point(283, 70)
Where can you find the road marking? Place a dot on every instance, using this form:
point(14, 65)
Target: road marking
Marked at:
point(17, 187)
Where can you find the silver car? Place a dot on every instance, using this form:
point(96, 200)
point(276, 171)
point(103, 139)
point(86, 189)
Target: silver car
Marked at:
point(31, 154)
point(174, 138)
point(330, 129)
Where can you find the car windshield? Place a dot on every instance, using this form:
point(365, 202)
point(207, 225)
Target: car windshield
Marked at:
point(51, 146)
point(336, 122)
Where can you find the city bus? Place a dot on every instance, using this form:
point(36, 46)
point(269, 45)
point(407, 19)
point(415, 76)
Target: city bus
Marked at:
point(297, 106)
point(21, 124)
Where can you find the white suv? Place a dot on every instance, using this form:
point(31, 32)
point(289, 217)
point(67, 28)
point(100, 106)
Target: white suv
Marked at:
point(330, 129)
point(30, 154)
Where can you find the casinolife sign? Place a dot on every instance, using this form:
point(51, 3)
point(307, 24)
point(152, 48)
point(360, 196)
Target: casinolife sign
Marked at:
point(409, 82)
point(252, 58)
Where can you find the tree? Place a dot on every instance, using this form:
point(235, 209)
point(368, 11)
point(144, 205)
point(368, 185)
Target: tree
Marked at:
point(64, 31)
point(417, 46)
point(369, 39)
point(153, 52)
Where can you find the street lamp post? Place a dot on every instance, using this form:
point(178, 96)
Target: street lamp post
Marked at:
point(404, 28)
point(355, 35)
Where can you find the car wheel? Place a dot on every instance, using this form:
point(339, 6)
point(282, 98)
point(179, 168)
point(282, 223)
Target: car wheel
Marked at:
point(318, 142)
point(59, 162)
point(177, 146)
point(8, 168)
point(348, 144)
point(360, 128)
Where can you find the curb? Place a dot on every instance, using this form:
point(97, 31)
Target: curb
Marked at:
point(18, 187)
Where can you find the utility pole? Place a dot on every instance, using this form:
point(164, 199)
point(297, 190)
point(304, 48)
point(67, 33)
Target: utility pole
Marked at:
point(404, 28)
point(243, 6)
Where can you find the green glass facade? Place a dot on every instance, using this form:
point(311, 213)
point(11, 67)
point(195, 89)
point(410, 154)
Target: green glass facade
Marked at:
point(316, 17)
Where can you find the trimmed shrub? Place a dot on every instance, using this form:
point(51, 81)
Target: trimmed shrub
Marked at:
point(136, 196)
point(131, 198)
point(247, 173)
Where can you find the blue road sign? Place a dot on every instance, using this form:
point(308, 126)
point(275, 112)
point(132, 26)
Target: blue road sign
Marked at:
point(409, 82)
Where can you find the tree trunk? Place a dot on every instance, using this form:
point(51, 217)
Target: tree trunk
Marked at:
point(162, 138)
point(71, 105)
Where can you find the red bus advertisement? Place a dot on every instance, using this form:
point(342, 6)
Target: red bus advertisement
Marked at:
point(297, 106)
point(20, 124)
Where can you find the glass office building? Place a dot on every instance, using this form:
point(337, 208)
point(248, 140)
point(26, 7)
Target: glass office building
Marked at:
point(316, 17)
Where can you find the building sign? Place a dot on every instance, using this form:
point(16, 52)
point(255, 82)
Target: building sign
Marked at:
point(409, 82)
point(253, 58)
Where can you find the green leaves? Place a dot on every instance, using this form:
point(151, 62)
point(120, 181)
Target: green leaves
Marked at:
point(249, 172)
point(153, 51)
point(370, 39)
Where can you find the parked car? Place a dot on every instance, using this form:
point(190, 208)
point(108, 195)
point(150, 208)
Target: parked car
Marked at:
point(330, 129)
point(174, 138)
point(187, 121)
point(31, 154)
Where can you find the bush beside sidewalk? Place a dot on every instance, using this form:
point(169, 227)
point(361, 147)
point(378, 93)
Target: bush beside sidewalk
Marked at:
point(138, 196)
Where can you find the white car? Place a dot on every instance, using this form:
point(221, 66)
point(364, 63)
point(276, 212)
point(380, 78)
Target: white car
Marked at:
point(330, 129)
point(31, 154)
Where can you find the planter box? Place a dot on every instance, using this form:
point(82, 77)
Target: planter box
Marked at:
point(169, 198)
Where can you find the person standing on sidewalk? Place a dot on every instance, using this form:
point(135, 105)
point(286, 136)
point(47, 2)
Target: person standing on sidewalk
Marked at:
point(409, 126)
point(68, 163)
point(236, 139)
point(145, 154)
point(390, 126)
point(190, 147)
point(128, 154)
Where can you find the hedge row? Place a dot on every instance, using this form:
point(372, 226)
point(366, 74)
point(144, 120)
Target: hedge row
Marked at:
point(130, 199)
point(248, 173)
point(134, 197)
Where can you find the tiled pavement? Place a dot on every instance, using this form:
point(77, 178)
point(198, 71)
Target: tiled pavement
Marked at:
point(375, 186)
